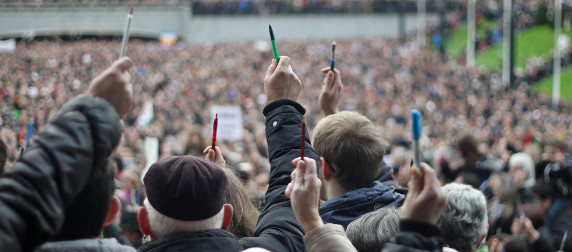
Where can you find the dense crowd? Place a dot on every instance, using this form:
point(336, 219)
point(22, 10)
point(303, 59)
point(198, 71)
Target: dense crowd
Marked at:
point(383, 81)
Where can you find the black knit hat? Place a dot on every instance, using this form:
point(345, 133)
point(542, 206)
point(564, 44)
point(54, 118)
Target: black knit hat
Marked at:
point(186, 188)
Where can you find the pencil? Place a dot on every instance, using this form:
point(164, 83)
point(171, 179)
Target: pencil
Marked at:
point(273, 43)
point(215, 126)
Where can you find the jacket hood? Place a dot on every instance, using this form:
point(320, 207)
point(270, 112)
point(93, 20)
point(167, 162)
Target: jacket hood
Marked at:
point(385, 176)
point(351, 205)
point(88, 245)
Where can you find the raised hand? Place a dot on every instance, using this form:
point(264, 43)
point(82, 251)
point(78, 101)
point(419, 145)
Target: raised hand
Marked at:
point(304, 191)
point(425, 201)
point(331, 91)
point(214, 156)
point(114, 85)
point(281, 82)
point(523, 225)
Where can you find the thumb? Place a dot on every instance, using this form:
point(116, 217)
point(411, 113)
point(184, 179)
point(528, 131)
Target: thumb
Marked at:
point(338, 75)
point(311, 170)
point(329, 80)
point(284, 63)
point(122, 64)
point(210, 155)
point(271, 68)
point(416, 179)
point(301, 170)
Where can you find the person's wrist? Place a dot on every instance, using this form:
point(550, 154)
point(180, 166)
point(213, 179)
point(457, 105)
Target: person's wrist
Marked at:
point(328, 112)
point(309, 225)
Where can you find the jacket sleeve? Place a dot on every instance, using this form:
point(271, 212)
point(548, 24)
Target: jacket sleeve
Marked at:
point(53, 170)
point(541, 244)
point(277, 228)
point(415, 236)
point(328, 238)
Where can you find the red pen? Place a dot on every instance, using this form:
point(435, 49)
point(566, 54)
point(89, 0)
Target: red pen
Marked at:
point(303, 143)
point(215, 125)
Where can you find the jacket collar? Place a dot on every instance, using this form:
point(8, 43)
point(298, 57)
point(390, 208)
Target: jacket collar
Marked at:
point(351, 205)
point(204, 240)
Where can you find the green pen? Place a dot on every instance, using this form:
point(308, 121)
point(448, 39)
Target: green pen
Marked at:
point(273, 44)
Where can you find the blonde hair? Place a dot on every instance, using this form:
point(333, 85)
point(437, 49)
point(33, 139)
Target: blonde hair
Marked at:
point(350, 143)
point(245, 215)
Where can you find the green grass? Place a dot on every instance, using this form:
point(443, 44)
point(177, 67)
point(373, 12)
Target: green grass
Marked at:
point(456, 42)
point(535, 41)
point(545, 85)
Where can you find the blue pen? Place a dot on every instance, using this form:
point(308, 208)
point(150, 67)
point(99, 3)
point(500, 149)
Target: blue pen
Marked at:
point(30, 132)
point(333, 62)
point(416, 130)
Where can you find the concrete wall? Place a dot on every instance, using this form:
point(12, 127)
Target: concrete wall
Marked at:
point(149, 21)
point(291, 27)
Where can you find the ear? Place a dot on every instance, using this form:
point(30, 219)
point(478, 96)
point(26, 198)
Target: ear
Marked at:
point(228, 210)
point(114, 208)
point(548, 202)
point(325, 169)
point(143, 219)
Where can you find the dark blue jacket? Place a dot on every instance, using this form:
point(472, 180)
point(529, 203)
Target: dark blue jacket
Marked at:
point(351, 205)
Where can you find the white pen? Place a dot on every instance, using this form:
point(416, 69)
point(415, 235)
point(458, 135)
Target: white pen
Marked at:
point(126, 34)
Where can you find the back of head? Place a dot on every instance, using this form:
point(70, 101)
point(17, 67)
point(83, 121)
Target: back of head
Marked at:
point(162, 225)
point(504, 188)
point(464, 220)
point(245, 214)
point(515, 244)
point(85, 216)
point(369, 232)
point(3, 155)
point(184, 194)
point(195, 141)
point(558, 145)
point(469, 148)
point(523, 161)
point(350, 142)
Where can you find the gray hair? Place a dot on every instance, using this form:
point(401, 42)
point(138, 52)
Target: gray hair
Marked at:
point(372, 230)
point(464, 220)
point(527, 164)
point(162, 225)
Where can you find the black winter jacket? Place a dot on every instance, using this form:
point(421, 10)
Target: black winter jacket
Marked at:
point(415, 236)
point(277, 228)
point(53, 170)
